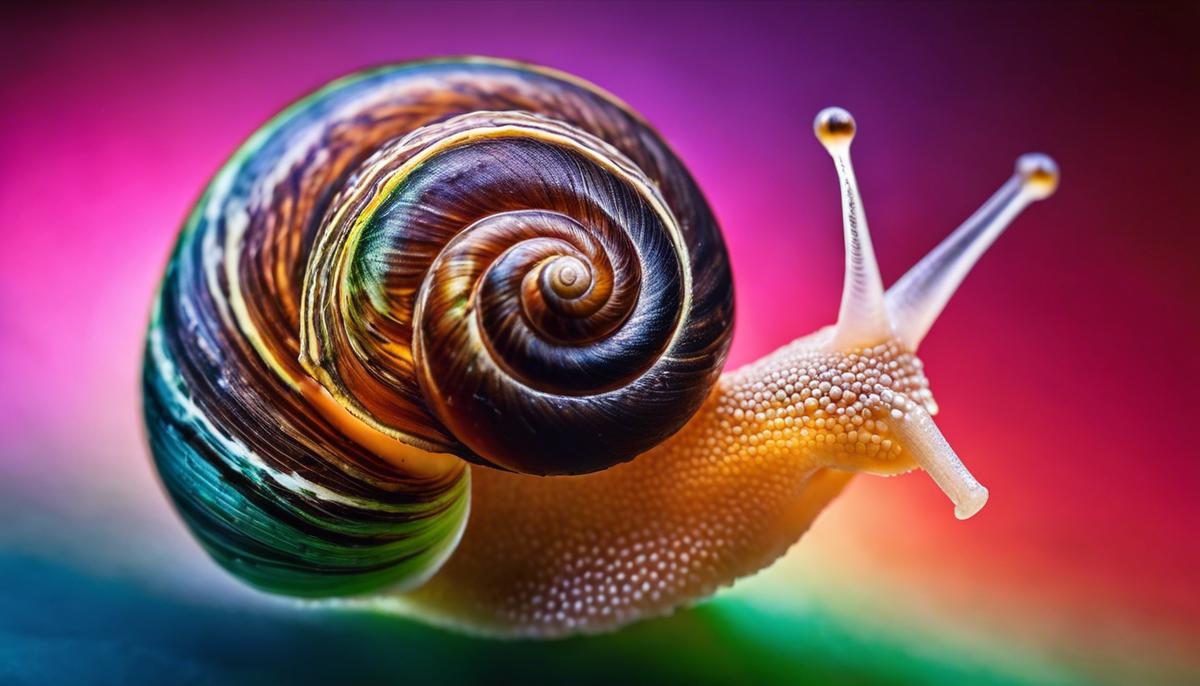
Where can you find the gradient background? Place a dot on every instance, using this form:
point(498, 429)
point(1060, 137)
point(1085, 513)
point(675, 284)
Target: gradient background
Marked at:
point(1067, 367)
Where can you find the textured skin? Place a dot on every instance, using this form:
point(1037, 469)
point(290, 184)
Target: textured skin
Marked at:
point(723, 498)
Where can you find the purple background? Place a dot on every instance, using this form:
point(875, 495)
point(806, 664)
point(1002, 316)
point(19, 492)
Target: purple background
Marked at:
point(1066, 368)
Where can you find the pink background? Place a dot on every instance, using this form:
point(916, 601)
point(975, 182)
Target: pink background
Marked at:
point(1067, 367)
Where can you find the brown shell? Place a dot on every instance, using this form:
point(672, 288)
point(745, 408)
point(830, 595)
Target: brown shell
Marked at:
point(467, 256)
point(430, 304)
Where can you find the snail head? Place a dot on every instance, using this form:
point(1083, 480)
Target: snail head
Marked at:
point(857, 388)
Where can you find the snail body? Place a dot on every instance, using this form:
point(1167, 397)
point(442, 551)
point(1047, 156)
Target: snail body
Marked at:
point(453, 332)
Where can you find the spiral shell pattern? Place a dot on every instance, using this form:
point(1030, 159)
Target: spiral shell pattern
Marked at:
point(424, 262)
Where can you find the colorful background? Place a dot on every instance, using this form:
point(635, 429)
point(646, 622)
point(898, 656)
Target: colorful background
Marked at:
point(1066, 368)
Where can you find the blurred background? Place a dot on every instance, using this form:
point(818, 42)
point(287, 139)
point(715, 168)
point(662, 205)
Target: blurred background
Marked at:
point(1066, 367)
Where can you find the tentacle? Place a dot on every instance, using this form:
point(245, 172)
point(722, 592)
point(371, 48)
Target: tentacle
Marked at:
point(862, 318)
point(916, 300)
point(929, 448)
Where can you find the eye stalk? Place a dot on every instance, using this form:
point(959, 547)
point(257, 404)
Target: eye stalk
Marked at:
point(906, 312)
point(918, 298)
point(862, 317)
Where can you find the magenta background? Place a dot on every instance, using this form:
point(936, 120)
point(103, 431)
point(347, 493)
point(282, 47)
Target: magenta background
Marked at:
point(1066, 368)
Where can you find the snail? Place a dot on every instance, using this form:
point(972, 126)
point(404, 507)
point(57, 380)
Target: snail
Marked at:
point(450, 335)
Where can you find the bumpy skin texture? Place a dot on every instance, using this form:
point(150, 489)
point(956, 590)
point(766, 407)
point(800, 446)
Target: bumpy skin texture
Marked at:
point(721, 499)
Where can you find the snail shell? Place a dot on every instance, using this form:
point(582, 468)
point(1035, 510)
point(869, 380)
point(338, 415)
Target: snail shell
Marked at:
point(463, 257)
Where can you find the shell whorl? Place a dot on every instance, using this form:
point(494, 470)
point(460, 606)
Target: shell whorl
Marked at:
point(465, 256)
point(446, 258)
